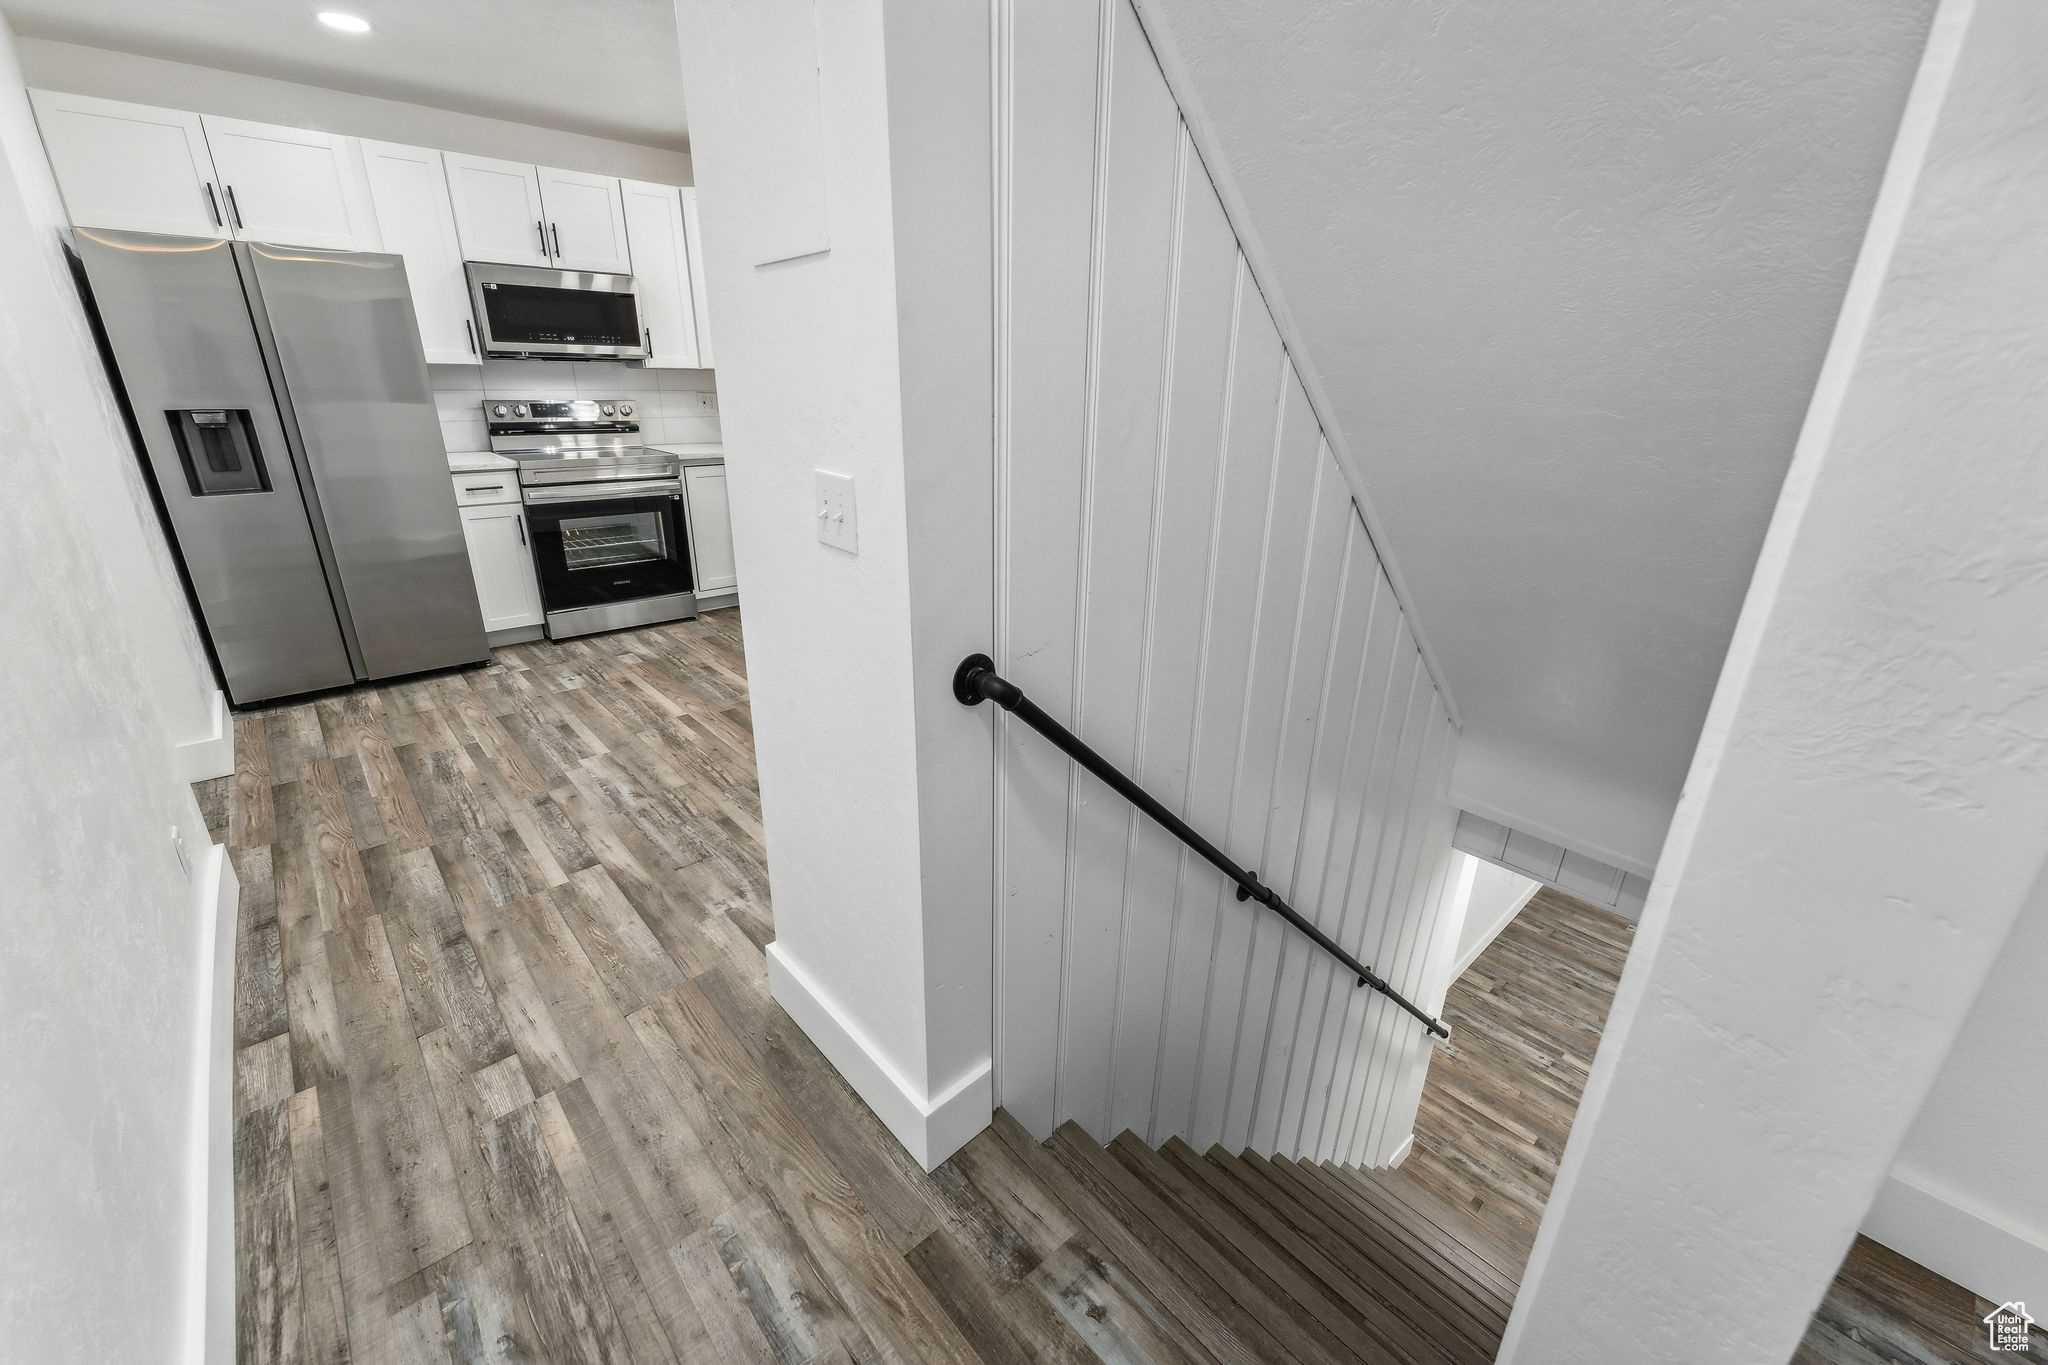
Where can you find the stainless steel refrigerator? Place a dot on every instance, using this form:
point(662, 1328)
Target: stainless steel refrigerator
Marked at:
point(285, 411)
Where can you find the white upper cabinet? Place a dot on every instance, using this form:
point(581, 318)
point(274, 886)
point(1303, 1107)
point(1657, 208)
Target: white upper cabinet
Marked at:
point(515, 214)
point(700, 301)
point(586, 221)
point(130, 166)
point(416, 220)
point(498, 213)
point(661, 268)
point(292, 185)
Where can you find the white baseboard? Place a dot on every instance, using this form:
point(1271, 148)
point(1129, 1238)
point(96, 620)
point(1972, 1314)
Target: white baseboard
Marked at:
point(213, 756)
point(931, 1128)
point(1471, 955)
point(1980, 1249)
point(1401, 1153)
point(217, 893)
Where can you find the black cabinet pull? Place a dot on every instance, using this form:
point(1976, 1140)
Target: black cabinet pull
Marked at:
point(234, 209)
point(542, 229)
point(649, 331)
point(556, 228)
point(469, 331)
point(213, 205)
point(520, 522)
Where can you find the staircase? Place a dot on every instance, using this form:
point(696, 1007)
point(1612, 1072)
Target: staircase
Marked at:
point(1177, 1255)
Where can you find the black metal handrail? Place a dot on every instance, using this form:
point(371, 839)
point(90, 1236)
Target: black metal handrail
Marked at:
point(976, 681)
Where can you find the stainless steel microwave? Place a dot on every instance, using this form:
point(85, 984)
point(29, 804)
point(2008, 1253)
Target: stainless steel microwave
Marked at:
point(533, 313)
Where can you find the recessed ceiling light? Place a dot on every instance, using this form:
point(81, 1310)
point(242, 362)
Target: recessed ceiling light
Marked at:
point(347, 23)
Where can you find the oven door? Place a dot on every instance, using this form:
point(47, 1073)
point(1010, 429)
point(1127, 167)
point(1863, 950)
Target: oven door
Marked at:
point(556, 314)
point(610, 561)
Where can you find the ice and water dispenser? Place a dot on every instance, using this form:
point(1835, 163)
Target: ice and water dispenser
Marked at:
point(218, 448)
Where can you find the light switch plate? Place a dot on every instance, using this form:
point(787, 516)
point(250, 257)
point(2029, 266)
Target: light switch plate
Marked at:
point(837, 525)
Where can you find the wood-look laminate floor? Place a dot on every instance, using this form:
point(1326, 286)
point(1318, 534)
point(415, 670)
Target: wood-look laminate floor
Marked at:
point(1499, 1104)
point(509, 1086)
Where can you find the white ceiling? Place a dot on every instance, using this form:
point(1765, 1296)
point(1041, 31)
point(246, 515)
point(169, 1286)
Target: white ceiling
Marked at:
point(608, 70)
point(1565, 274)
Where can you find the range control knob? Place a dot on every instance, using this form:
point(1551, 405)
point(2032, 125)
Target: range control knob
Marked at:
point(625, 409)
point(519, 409)
point(498, 410)
point(606, 409)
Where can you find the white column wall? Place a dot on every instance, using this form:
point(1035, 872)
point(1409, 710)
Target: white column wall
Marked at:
point(1868, 809)
point(866, 355)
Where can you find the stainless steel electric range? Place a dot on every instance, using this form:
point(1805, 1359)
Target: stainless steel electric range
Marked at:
point(604, 514)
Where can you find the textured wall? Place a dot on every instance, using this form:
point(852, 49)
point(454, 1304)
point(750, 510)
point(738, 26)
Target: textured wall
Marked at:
point(99, 943)
point(1969, 1193)
point(1564, 274)
point(1185, 581)
point(1868, 813)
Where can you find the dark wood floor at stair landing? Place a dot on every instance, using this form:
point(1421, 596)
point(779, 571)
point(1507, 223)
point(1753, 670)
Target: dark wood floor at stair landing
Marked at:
point(1499, 1104)
point(509, 1085)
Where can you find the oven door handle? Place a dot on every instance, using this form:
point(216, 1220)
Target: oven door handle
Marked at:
point(600, 491)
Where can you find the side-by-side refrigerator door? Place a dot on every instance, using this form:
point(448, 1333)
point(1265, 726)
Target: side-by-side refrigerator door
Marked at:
point(349, 351)
point(179, 326)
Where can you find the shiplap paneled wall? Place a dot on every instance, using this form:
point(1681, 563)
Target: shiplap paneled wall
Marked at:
point(1185, 579)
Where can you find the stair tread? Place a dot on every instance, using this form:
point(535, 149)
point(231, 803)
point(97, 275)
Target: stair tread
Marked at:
point(1379, 1318)
point(1411, 1292)
point(1417, 1245)
point(1173, 1275)
point(1097, 1227)
point(1465, 1229)
point(1373, 1201)
point(1246, 1225)
point(1260, 1275)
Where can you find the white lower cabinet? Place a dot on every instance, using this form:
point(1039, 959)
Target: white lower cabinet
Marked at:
point(710, 529)
point(498, 556)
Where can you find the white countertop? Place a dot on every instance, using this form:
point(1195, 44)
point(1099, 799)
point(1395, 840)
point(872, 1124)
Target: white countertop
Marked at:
point(695, 452)
point(482, 461)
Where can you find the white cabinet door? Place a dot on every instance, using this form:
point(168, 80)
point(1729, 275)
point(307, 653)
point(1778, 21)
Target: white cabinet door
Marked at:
point(710, 528)
point(416, 220)
point(130, 166)
point(694, 243)
point(661, 269)
point(291, 185)
point(498, 213)
point(503, 567)
point(586, 221)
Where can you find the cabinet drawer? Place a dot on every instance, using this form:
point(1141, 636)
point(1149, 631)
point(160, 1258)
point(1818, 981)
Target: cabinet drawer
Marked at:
point(487, 486)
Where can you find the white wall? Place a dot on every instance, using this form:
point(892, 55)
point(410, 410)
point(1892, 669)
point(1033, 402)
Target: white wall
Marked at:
point(1868, 812)
point(1968, 1196)
point(869, 359)
point(1564, 275)
point(100, 937)
point(1496, 897)
point(1185, 582)
point(207, 90)
point(105, 473)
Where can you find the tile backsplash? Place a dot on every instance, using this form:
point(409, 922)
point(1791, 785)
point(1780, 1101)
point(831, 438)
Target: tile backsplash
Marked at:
point(669, 413)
